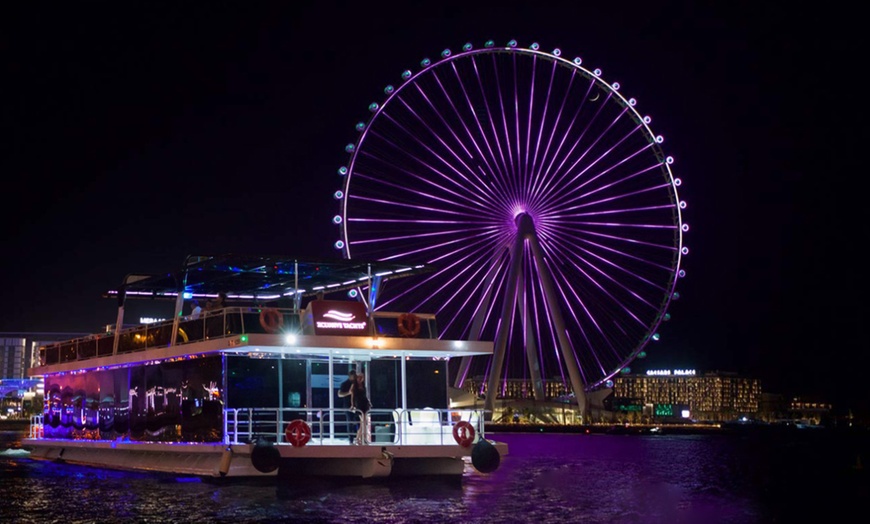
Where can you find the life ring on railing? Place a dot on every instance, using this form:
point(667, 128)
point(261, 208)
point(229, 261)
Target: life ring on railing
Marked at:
point(271, 319)
point(463, 433)
point(409, 325)
point(297, 433)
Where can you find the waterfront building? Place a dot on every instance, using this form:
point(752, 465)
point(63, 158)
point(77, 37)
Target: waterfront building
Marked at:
point(18, 353)
point(686, 394)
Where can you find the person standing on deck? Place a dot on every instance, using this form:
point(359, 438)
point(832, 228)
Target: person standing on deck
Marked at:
point(344, 391)
point(360, 401)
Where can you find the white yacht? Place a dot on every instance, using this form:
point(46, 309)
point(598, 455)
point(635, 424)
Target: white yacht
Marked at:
point(250, 389)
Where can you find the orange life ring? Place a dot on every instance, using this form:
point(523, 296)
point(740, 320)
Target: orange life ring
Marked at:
point(409, 325)
point(463, 433)
point(297, 433)
point(271, 320)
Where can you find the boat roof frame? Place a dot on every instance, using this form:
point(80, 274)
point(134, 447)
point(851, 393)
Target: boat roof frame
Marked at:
point(262, 277)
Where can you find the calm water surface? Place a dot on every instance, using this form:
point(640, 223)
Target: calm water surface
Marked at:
point(546, 478)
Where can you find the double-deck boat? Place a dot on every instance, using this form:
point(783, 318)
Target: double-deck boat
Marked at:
point(250, 389)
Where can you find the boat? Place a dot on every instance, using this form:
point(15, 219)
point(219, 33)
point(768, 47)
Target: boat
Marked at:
point(250, 389)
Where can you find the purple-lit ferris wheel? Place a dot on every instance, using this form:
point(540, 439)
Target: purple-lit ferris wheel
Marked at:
point(541, 196)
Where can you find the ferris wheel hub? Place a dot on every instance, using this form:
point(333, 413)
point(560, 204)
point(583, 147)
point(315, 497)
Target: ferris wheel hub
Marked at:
point(525, 224)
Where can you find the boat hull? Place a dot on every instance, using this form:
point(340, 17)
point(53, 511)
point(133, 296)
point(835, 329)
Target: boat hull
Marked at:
point(221, 460)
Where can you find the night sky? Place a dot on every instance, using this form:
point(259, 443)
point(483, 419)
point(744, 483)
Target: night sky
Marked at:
point(136, 135)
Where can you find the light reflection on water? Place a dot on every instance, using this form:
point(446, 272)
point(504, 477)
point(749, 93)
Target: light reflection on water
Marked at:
point(546, 478)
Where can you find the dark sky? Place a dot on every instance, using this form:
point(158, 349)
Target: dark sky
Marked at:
point(137, 134)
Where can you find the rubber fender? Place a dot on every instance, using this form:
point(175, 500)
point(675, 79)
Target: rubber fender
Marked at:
point(485, 457)
point(265, 457)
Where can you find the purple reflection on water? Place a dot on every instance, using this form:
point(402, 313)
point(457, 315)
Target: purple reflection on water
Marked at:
point(546, 478)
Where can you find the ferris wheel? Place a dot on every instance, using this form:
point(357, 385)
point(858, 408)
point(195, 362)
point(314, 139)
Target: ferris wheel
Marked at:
point(542, 198)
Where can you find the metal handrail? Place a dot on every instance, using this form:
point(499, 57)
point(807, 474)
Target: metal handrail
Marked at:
point(409, 426)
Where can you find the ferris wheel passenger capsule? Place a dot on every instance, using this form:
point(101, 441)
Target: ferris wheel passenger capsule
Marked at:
point(557, 52)
point(406, 74)
point(338, 195)
point(445, 53)
point(339, 244)
point(512, 43)
point(467, 47)
point(535, 46)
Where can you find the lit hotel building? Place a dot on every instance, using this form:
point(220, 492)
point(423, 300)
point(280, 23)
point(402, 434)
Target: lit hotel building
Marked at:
point(683, 393)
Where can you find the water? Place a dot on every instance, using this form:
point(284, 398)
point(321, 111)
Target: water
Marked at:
point(546, 478)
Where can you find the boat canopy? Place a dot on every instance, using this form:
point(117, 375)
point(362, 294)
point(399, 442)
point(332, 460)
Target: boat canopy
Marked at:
point(262, 277)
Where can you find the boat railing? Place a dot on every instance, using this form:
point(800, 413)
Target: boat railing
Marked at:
point(339, 425)
point(221, 323)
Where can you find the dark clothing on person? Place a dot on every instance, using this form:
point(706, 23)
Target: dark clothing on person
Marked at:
point(360, 397)
point(344, 391)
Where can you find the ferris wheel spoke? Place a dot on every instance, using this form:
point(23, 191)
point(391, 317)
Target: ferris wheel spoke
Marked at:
point(604, 173)
point(534, 173)
point(492, 168)
point(428, 165)
point(570, 175)
point(495, 133)
point(445, 195)
point(547, 173)
point(509, 178)
point(568, 245)
point(557, 174)
point(596, 328)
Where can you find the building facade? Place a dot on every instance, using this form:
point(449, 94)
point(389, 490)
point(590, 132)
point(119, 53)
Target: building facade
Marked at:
point(712, 396)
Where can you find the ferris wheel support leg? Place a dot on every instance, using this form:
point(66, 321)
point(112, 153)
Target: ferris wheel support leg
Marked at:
point(504, 325)
point(532, 353)
point(559, 326)
point(479, 316)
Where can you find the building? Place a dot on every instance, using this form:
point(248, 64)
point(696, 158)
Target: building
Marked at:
point(18, 352)
point(684, 393)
